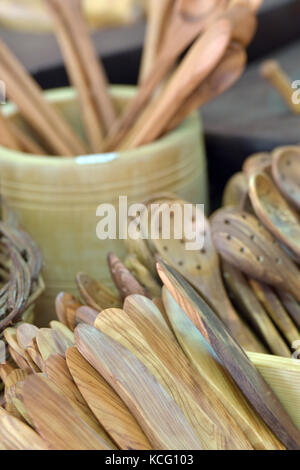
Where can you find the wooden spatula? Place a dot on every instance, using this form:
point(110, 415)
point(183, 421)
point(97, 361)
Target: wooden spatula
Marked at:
point(242, 240)
point(274, 211)
point(95, 294)
point(125, 282)
point(202, 270)
point(286, 172)
point(106, 405)
point(158, 415)
point(52, 342)
point(56, 420)
point(154, 345)
point(233, 358)
point(25, 334)
point(210, 368)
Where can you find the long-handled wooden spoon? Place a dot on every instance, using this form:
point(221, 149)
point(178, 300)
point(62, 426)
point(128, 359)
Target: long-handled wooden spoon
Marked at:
point(158, 415)
point(210, 368)
point(149, 340)
point(202, 269)
point(243, 241)
point(274, 212)
point(233, 358)
point(106, 405)
point(286, 172)
point(56, 420)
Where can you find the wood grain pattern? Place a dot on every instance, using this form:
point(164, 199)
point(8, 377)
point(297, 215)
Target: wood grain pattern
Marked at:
point(286, 172)
point(242, 240)
point(56, 420)
point(51, 342)
point(106, 405)
point(95, 294)
point(236, 191)
point(57, 370)
point(257, 163)
point(123, 279)
point(291, 306)
point(156, 412)
point(86, 315)
point(150, 340)
point(203, 357)
point(234, 358)
point(142, 275)
point(25, 334)
point(63, 329)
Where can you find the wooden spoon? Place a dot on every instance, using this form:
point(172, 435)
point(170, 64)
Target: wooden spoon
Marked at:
point(86, 315)
point(142, 275)
point(57, 370)
point(236, 191)
point(257, 163)
point(188, 20)
point(248, 304)
point(52, 342)
point(106, 405)
point(291, 306)
point(199, 62)
point(151, 342)
point(202, 270)
point(202, 356)
point(242, 241)
point(156, 412)
point(274, 212)
point(25, 334)
point(63, 301)
point(63, 329)
point(233, 357)
point(286, 172)
point(56, 420)
point(125, 282)
point(221, 79)
point(95, 294)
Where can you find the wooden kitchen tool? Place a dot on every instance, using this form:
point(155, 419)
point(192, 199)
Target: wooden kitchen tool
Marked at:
point(202, 356)
point(57, 370)
point(286, 172)
point(142, 275)
point(291, 306)
point(236, 191)
point(56, 420)
point(52, 342)
point(202, 269)
point(199, 62)
point(125, 282)
point(233, 358)
point(273, 306)
point(106, 405)
point(86, 315)
point(63, 301)
point(221, 79)
point(249, 305)
point(242, 241)
point(95, 294)
point(25, 334)
point(257, 163)
point(151, 342)
point(63, 329)
point(158, 415)
point(188, 20)
point(7, 136)
point(274, 212)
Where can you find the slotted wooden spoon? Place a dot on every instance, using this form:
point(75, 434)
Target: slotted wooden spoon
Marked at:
point(106, 405)
point(286, 172)
point(233, 358)
point(202, 269)
point(243, 241)
point(274, 212)
point(151, 342)
point(158, 415)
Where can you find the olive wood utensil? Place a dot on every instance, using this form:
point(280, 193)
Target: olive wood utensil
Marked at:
point(236, 191)
point(204, 359)
point(291, 306)
point(5, 370)
point(157, 14)
point(25, 334)
point(221, 79)
point(16, 435)
point(35, 355)
point(243, 241)
point(15, 396)
point(52, 342)
point(86, 315)
point(16, 375)
point(56, 420)
point(202, 269)
point(233, 358)
point(158, 415)
point(154, 345)
point(95, 294)
point(63, 329)
point(247, 302)
point(274, 307)
point(57, 370)
point(63, 301)
point(7, 136)
point(257, 163)
point(141, 250)
point(142, 275)
point(199, 62)
point(187, 21)
point(286, 172)
point(106, 405)
point(125, 282)
point(274, 212)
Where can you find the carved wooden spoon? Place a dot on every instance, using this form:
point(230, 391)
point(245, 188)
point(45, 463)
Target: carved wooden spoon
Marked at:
point(257, 163)
point(202, 269)
point(274, 212)
point(233, 358)
point(243, 241)
point(286, 172)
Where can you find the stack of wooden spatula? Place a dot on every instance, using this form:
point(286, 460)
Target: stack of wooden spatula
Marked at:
point(215, 34)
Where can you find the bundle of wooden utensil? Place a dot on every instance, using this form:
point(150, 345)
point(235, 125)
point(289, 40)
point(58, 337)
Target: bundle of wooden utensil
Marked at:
point(215, 32)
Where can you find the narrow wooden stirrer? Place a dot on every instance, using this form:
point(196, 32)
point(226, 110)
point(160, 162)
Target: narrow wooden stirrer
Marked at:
point(233, 358)
point(158, 415)
point(106, 405)
point(211, 369)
